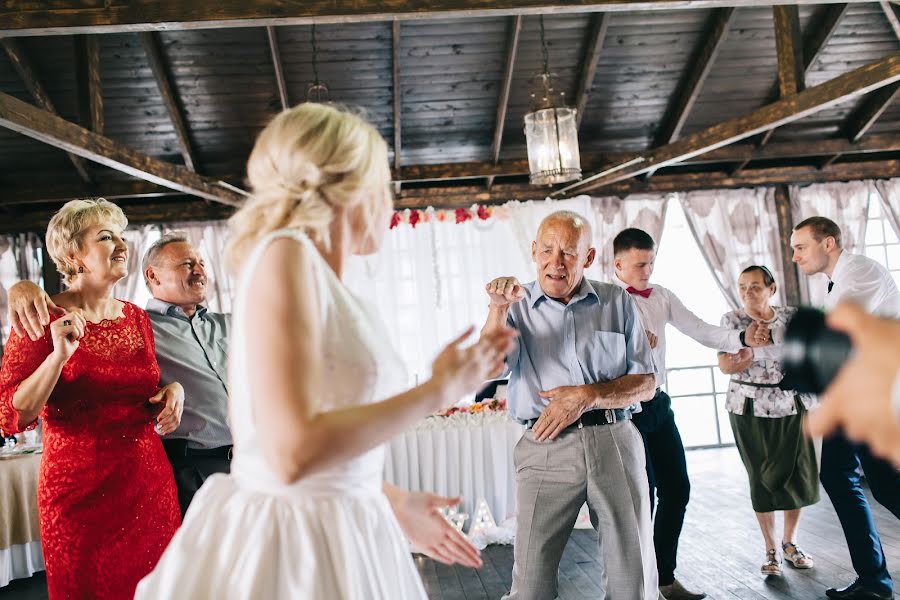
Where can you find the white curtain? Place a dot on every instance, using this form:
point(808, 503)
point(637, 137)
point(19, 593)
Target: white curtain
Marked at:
point(613, 214)
point(735, 229)
point(427, 283)
point(20, 258)
point(889, 191)
point(847, 204)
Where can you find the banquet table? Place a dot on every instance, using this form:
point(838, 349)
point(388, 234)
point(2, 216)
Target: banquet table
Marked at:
point(468, 455)
point(20, 544)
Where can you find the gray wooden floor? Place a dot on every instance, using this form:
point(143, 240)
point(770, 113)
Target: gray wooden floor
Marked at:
point(721, 550)
point(720, 553)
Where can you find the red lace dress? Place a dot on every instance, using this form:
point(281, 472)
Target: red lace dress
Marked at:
point(106, 497)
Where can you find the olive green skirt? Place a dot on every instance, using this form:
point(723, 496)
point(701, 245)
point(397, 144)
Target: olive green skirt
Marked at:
point(780, 460)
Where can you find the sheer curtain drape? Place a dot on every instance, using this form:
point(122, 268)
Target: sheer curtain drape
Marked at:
point(734, 229)
point(889, 192)
point(20, 258)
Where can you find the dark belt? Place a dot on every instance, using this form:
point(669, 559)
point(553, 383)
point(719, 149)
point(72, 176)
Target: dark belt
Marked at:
point(181, 448)
point(756, 385)
point(594, 417)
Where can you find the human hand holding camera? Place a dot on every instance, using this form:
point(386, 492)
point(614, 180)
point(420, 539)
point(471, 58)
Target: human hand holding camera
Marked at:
point(858, 399)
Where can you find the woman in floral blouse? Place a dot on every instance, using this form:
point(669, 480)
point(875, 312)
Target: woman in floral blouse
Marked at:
point(766, 420)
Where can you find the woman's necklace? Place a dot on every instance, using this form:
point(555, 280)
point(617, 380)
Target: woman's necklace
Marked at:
point(761, 319)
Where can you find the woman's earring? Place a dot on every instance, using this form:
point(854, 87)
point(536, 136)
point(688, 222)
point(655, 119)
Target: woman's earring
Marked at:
point(81, 269)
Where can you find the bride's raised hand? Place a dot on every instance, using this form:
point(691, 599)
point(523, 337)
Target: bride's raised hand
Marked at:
point(460, 370)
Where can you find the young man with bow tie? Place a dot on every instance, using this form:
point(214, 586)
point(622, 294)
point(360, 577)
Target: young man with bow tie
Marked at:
point(634, 254)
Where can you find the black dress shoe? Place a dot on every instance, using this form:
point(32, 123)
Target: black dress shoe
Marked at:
point(855, 591)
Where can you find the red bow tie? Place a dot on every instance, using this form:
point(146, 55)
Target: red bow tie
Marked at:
point(644, 293)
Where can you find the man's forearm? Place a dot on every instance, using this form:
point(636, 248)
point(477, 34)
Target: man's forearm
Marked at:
point(624, 391)
point(496, 318)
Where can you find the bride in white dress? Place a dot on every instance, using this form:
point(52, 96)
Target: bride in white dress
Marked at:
point(314, 391)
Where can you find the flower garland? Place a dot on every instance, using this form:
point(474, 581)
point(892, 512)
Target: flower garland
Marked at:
point(481, 212)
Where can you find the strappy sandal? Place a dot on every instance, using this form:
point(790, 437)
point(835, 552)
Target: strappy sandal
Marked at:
point(798, 558)
point(772, 566)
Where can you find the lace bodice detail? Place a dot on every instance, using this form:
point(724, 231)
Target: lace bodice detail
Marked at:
point(360, 365)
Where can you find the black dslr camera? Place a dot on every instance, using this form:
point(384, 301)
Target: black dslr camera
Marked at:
point(812, 353)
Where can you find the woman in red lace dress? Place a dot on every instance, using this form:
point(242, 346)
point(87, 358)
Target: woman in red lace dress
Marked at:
point(106, 496)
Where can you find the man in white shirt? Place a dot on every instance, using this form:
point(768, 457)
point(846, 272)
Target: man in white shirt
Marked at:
point(634, 252)
point(817, 249)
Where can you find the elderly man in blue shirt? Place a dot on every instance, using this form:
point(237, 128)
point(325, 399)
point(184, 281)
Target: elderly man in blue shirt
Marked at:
point(583, 362)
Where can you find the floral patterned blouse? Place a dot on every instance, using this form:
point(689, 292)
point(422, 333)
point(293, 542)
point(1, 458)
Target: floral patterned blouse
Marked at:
point(770, 402)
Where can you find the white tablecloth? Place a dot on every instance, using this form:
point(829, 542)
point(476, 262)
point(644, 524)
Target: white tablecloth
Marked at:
point(461, 455)
point(21, 560)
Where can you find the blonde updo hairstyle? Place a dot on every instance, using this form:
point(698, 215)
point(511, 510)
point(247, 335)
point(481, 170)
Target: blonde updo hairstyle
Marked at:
point(65, 232)
point(307, 162)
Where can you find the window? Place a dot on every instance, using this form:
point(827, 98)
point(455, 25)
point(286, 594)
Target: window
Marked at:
point(694, 381)
point(881, 240)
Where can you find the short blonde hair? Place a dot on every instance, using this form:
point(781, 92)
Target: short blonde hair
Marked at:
point(65, 232)
point(308, 161)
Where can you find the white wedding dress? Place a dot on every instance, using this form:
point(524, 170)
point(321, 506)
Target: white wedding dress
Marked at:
point(331, 535)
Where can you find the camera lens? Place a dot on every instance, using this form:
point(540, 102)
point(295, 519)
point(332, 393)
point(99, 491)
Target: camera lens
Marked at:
point(812, 353)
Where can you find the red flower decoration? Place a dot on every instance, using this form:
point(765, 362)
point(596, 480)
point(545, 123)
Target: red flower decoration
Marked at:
point(395, 220)
point(462, 215)
point(484, 212)
point(414, 218)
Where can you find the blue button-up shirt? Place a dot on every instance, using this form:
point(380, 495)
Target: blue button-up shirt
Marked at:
point(596, 337)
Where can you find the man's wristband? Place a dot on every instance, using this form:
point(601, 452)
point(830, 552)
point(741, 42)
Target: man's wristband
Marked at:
point(743, 340)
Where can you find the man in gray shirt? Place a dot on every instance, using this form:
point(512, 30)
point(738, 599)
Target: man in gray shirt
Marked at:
point(191, 348)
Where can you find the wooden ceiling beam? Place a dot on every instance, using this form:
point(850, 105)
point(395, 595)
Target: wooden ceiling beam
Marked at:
point(144, 212)
point(512, 47)
point(23, 66)
point(864, 79)
point(464, 196)
point(692, 79)
point(88, 84)
point(789, 49)
point(154, 52)
point(398, 96)
point(592, 51)
point(46, 127)
point(892, 13)
point(864, 116)
point(272, 38)
point(30, 18)
point(20, 195)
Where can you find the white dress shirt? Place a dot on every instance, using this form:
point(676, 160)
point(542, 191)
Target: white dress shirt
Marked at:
point(664, 307)
point(861, 279)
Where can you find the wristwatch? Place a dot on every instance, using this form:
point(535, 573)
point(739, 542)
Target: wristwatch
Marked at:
point(743, 341)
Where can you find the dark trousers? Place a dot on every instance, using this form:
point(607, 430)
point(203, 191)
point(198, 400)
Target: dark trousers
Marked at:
point(840, 477)
point(668, 477)
point(192, 470)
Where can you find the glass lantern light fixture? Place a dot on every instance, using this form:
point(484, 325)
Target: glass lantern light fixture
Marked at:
point(551, 132)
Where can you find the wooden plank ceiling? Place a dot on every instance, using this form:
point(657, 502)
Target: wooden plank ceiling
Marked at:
point(161, 103)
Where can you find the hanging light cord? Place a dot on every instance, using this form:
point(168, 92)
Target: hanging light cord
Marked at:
point(544, 51)
point(315, 57)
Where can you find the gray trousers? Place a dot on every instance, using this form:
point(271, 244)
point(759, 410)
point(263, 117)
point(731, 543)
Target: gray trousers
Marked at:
point(605, 466)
